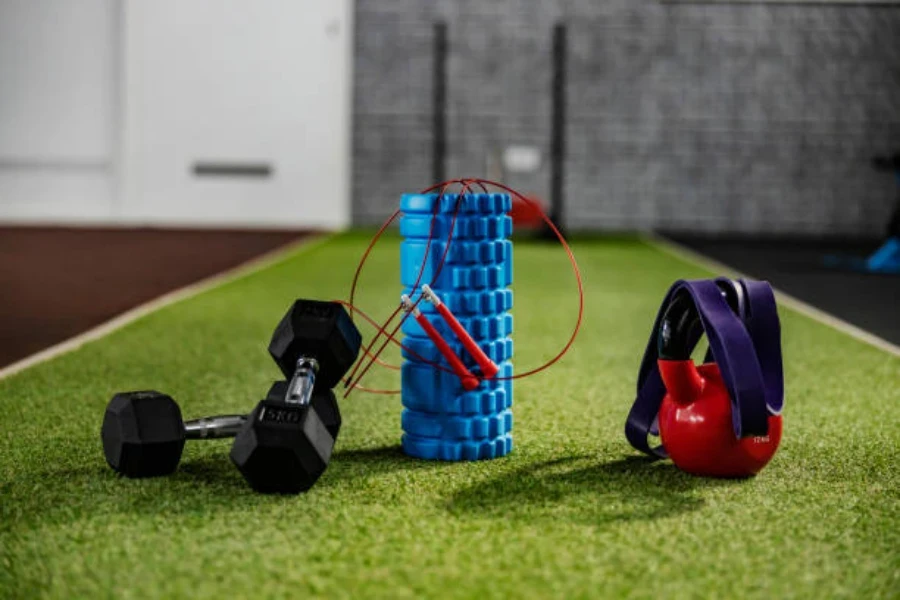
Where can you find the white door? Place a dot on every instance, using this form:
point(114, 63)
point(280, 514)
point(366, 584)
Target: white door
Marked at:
point(237, 113)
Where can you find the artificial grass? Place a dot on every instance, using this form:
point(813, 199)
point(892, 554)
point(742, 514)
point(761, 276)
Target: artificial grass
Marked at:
point(573, 511)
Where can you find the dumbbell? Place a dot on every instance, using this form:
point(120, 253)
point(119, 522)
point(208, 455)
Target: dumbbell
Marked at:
point(324, 402)
point(314, 345)
point(143, 433)
point(286, 442)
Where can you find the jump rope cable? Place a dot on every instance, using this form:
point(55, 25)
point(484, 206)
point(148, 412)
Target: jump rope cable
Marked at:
point(352, 381)
point(365, 256)
point(551, 226)
point(359, 267)
point(390, 337)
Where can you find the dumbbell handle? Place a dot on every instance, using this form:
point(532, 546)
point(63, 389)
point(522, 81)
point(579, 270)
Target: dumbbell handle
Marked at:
point(299, 391)
point(300, 388)
point(222, 426)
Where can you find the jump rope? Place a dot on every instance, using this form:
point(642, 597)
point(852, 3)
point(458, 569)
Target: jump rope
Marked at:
point(411, 307)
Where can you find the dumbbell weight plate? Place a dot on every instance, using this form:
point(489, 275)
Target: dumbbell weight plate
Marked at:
point(143, 434)
point(324, 402)
point(282, 448)
point(319, 330)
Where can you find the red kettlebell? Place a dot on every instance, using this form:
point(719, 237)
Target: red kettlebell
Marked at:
point(695, 418)
point(696, 428)
point(723, 418)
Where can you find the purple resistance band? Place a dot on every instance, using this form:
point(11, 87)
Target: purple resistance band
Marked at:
point(747, 349)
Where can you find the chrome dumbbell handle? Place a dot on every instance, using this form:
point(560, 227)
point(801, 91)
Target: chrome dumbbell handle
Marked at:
point(300, 388)
point(222, 426)
point(299, 391)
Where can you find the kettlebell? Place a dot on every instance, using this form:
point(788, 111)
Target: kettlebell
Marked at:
point(695, 418)
point(722, 418)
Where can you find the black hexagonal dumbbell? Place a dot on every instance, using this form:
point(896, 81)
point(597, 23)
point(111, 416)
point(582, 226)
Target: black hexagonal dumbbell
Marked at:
point(295, 427)
point(143, 433)
point(282, 448)
point(319, 336)
point(324, 402)
point(284, 445)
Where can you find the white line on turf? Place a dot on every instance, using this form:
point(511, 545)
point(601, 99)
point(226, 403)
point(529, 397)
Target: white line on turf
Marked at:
point(687, 255)
point(244, 269)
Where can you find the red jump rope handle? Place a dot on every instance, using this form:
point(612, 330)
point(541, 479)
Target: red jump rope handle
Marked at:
point(469, 381)
point(488, 368)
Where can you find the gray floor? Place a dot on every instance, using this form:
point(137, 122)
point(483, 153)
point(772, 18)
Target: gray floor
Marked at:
point(871, 302)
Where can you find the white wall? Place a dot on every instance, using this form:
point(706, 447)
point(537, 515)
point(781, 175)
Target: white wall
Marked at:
point(106, 105)
point(57, 110)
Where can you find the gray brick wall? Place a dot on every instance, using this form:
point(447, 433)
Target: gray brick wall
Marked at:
point(691, 117)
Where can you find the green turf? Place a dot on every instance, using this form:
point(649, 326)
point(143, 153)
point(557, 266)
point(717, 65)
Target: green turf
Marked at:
point(571, 512)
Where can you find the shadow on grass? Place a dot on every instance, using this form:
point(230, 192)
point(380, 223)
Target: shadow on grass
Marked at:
point(581, 490)
point(353, 466)
point(201, 485)
point(210, 471)
point(578, 489)
point(220, 473)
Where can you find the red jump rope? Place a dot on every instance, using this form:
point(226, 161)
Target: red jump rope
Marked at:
point(488, 368)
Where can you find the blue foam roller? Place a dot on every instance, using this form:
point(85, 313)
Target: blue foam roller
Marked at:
point(422, 350)
point(465, 228)
point(483, 204)
point(463, 303)
point(486, 328)
point(456, 427)
point(438, 449)
point(441, 420)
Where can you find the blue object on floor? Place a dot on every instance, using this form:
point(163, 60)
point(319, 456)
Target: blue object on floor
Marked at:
point(887, 258)
point(884, 260)
point(441, 420)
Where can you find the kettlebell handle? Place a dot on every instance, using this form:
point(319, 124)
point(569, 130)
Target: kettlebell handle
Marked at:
point(677, 328)
point(680, 326)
